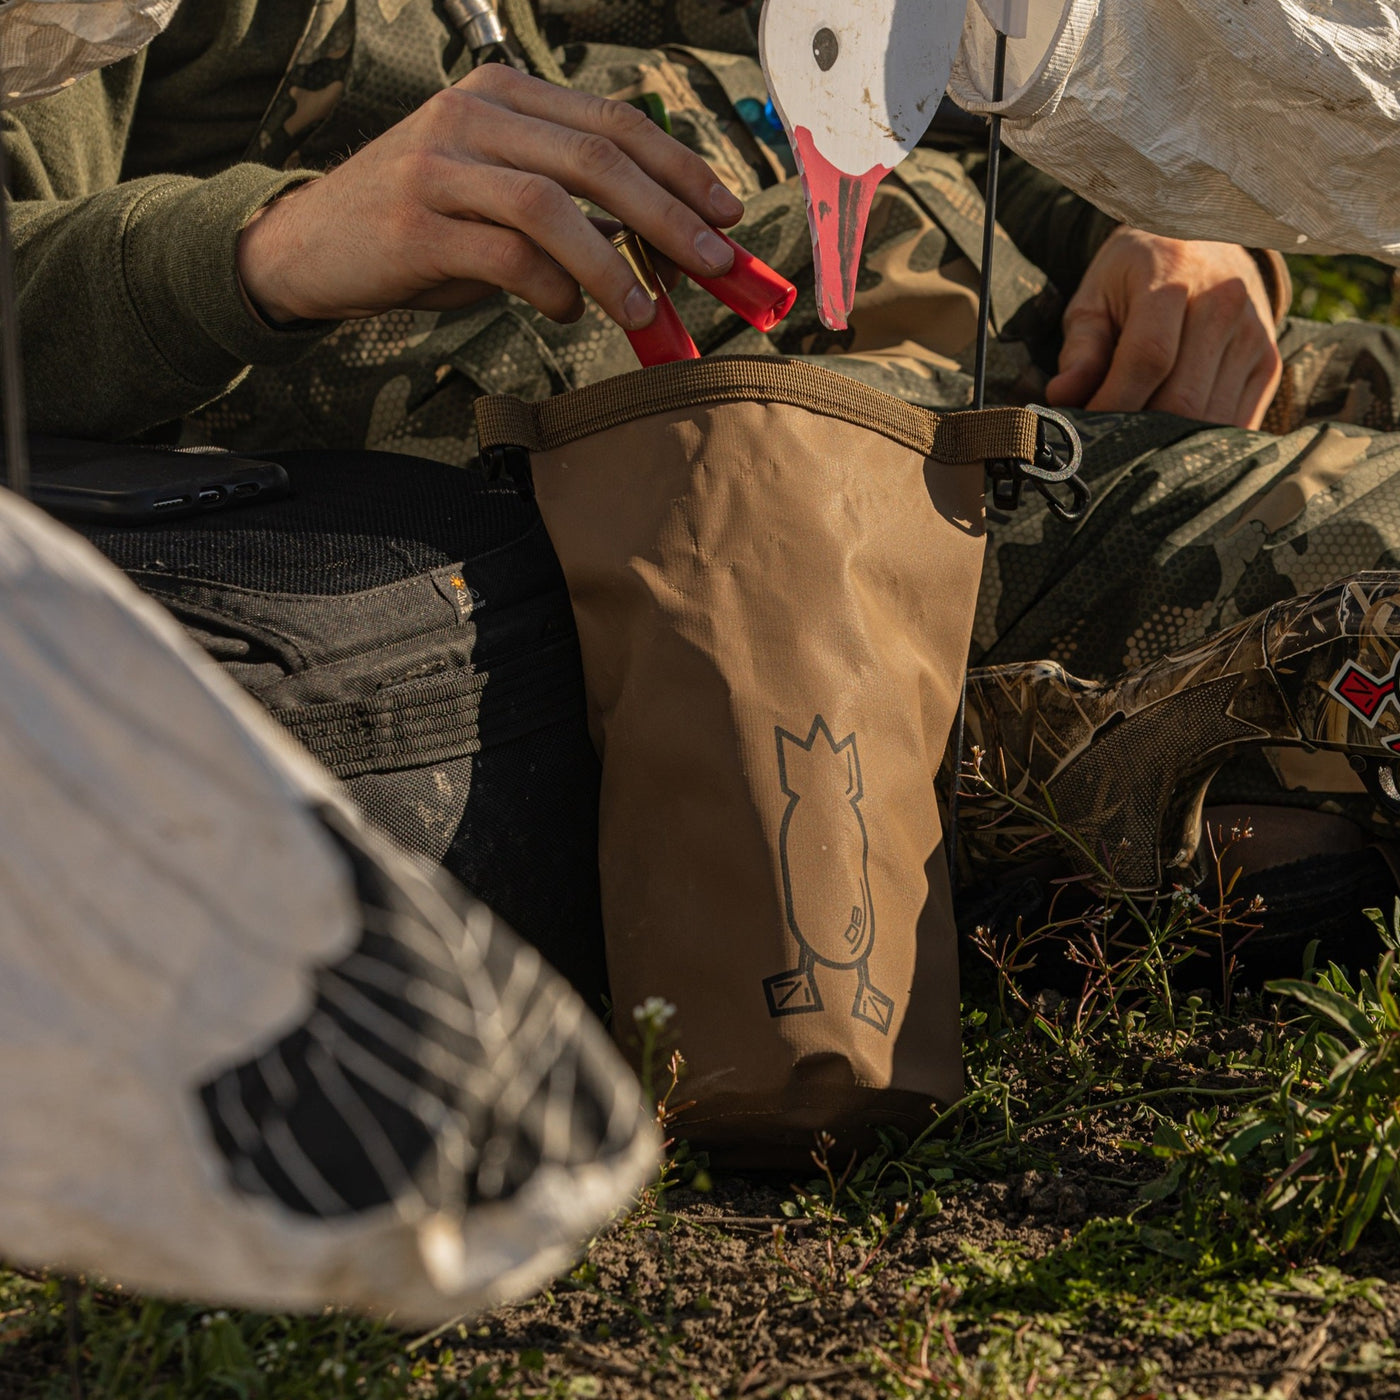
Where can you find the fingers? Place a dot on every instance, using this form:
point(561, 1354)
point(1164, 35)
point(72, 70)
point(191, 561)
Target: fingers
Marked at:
point(552, 224)
point(663, 158)
point(1188, 326)
point(1085, 358)
point(1224, 348)
point(1206, 367)
point(664, 268)
point(1259, 390)
point(1219, 402)
point(1146, 352)
point(491, 257)
point(598, 168)
point(453, 296)
point(1249, 375)
point(477, 188)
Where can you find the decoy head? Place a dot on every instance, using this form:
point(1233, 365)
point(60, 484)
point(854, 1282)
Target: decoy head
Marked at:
point(856, 83)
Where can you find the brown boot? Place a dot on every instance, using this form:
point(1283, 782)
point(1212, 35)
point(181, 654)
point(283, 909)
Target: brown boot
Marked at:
point(1121, 767)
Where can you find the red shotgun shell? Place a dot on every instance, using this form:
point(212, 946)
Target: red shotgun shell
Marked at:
point(666, 339)
point(751, 289)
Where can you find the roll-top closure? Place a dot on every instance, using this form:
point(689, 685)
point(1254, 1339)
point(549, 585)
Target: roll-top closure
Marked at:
point(981, 435)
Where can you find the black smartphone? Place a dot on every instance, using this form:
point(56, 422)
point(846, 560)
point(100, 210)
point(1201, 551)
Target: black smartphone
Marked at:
point(78, 480)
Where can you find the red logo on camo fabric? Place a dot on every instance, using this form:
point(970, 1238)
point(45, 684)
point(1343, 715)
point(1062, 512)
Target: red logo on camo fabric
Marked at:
point(1366, 695)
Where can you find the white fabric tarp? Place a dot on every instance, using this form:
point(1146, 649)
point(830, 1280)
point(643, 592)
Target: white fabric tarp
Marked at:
point(1274, 123)
point(47, 44)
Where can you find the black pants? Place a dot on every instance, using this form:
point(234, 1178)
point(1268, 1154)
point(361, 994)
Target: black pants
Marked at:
point(408, 623)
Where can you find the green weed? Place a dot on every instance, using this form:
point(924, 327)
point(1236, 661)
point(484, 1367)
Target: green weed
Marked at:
point(850, 1250)
point(1311, 1162)
point(155, 1350)
point(1012, 1362)
point(1343, 289)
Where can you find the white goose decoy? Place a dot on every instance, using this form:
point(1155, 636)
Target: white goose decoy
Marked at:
point(48, 44)
point(252, 1054)
point(856, 84)
point(1275, 124)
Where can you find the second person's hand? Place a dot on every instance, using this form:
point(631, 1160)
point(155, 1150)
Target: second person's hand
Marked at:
point(1161, 323)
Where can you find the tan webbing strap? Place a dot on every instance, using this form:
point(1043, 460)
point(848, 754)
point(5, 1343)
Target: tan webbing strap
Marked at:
point(987, 435)
point(503, 421)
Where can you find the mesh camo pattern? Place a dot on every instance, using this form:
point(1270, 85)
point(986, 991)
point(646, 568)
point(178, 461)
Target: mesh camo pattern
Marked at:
point(729, 25)
point(1123, 763)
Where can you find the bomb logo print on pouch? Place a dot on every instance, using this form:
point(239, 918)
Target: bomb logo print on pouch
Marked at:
point(824, 850)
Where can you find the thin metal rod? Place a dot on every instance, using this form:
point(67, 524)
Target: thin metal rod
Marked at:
point(989, 226)
point(73, 1325)
point(979, 396)
point(11, 374)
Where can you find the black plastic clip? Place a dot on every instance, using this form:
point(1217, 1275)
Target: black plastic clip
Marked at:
point(508, 463)
point(1059, 455)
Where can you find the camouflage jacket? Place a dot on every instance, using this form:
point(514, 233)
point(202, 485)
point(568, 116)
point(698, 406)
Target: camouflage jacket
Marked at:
point(134, 184)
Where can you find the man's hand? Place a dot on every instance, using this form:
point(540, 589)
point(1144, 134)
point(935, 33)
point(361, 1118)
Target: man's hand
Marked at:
point(1183, 327)
point(472, 192)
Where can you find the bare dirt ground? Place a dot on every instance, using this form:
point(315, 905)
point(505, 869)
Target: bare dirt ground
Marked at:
point(710, 1306)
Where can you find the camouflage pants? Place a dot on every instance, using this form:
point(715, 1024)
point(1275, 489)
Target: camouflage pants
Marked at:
point(1192, 528)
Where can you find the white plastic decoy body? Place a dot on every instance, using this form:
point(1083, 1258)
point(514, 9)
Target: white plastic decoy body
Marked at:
point(1275, 124)
point(45, 45)
point(1009, 17)
point(856, 84)
point(252, 1053)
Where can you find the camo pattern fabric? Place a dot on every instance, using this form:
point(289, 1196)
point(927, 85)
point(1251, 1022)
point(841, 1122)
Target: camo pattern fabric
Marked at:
point(406, 381)
point(311, 90)
point(361, 66)
point(1191, 529)
point(1194, 529)
point(730, 26)
point(1122, 764)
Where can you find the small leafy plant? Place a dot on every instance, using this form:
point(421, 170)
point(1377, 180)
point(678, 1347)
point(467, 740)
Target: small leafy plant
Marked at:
point(679, 1165)
point(849, 1249)
point(1313, 1161)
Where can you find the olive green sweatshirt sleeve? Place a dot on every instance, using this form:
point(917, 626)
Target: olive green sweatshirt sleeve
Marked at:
point(131, 312)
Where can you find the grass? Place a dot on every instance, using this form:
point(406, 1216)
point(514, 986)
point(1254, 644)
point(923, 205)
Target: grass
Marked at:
point(1243, 1145)
point(1157, 1184)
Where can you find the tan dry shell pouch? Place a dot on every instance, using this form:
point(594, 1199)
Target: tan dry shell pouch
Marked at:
point(773, 569)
